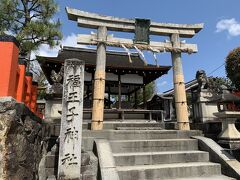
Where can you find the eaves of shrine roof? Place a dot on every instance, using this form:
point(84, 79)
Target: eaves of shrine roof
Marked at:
point(117, 62)
point(115, 59)
point(193, 84)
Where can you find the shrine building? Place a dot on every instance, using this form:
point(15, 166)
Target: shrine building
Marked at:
point(125, 75)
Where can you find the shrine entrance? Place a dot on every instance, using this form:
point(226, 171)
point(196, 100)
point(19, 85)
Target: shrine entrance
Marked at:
point(142, 28)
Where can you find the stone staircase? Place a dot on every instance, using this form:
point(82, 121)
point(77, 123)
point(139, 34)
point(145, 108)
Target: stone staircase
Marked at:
point(154, 159)
point(142, 150)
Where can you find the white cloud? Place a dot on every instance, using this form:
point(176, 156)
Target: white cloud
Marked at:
point(70, 40)
point(45, 50)
point(230, 25)
point(163, 83)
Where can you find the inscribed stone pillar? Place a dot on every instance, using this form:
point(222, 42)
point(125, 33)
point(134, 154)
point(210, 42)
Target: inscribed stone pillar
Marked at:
point(99, 81)
point(69, 163)
point(179, 86)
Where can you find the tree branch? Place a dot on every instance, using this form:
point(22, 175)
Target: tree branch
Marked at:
point(33, 4)
point(20, 22)
point(29, 38)
point(24, 6)
point(35, 16)
point(35, 8)
point(40, 12)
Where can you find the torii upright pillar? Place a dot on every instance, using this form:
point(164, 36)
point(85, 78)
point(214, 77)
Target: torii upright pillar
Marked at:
point(99, 81)
point(179, 86)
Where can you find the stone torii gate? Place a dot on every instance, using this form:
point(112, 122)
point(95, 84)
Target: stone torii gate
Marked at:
point(142, 28)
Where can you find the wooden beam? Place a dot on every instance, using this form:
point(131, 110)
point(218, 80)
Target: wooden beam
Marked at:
point(92, 23)
point(92, 20)
point(117, 42)
point(195, 27)
point(168, 31)
point(74, 14)
point(164, 31)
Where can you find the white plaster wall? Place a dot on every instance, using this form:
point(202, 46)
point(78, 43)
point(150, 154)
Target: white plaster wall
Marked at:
point(127, 78)
point(132, 78)
point(111, 77)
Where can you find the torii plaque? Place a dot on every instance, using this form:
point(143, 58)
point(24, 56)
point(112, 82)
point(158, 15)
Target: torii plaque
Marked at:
point(175, 46)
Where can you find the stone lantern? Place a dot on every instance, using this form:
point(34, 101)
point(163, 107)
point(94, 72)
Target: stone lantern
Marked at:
point(230, 136)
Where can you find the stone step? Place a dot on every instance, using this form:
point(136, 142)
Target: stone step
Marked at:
point(167, 171)
point(133, 123)
point(217, 177)
point(153, 145)
point(133, 120)
point(55, 128)
point(140, 134)
point(89, 136)
point(139, 128)
point(151, 158)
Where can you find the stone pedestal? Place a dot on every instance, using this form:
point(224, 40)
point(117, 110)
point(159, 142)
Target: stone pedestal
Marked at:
point(205, 106)
point(229, 136)
point(52, 108)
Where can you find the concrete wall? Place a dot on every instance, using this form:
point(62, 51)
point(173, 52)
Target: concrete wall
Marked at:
point(20, 142)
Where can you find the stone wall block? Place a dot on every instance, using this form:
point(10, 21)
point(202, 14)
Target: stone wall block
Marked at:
point(85, 158)
point(20, 141)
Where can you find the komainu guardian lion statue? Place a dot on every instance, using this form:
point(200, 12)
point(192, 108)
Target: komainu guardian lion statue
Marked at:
point(202, 80)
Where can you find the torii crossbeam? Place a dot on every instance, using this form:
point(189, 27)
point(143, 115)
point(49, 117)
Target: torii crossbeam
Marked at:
point(102, 39)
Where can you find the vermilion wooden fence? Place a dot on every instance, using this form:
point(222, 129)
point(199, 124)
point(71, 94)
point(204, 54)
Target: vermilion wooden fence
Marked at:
point(14, 80)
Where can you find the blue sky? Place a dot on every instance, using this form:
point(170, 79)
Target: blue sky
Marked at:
point(221, 32)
